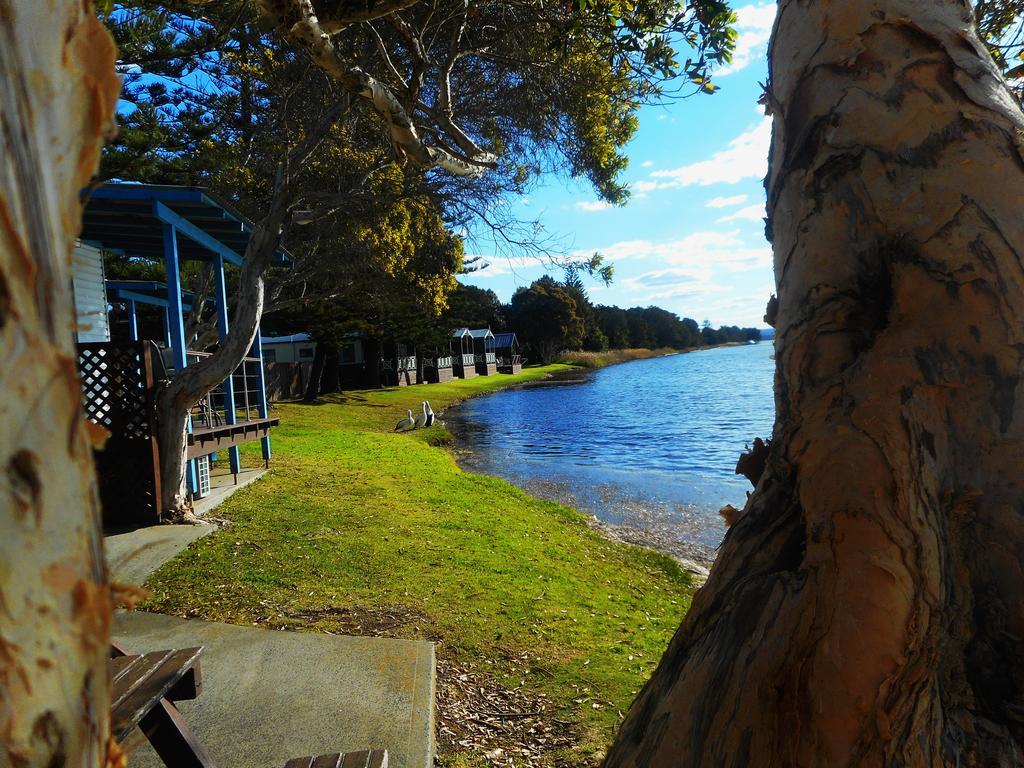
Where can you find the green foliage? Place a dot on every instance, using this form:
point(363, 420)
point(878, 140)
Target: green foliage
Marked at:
point(548, 317)
point(1001, 26)
point(472, 307)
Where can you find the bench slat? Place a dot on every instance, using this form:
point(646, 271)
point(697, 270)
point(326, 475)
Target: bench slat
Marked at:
point(140, 683)
point(374, 758)
point(328, 761)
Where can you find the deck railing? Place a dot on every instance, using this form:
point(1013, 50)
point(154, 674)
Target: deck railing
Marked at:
point(400, 364)
point(211, 410)
point(465, 360)
point(510, 360)
point(438, 362)
point(487, 357)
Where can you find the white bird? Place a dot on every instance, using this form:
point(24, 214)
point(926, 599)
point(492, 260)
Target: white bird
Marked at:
point(406, 423)
point(421, 419)
point(429, 412)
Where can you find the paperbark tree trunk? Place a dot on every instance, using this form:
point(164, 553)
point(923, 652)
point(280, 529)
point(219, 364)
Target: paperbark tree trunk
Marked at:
point(867, 608)
point(57, 95)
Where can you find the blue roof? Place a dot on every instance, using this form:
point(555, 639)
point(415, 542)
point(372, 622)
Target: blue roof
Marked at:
point(503, 340)
point(482, 333)
point(130, 218)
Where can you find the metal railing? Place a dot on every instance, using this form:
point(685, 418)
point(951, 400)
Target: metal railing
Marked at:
point(401, 364)
point(211, 410)
point(439, 362)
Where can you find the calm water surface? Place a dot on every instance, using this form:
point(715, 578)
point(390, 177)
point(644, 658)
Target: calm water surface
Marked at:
point(650, 445)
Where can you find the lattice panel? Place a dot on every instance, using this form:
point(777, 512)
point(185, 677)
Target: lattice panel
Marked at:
point(114, 393)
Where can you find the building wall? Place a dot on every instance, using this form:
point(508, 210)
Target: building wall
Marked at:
point(92, 323)
point(304, 351)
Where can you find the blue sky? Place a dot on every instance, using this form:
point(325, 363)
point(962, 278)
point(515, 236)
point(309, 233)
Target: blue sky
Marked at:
point(691, 238)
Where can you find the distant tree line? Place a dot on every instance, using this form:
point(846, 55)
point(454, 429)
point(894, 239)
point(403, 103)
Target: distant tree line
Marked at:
point(550, 316)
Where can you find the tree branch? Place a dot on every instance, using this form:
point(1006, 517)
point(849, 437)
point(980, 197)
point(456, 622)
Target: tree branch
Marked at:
point(297, 21)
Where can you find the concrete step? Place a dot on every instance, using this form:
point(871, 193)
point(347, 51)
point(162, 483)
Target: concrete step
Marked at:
point(268, 696)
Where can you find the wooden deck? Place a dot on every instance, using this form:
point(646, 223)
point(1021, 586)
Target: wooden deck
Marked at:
point(206, 440)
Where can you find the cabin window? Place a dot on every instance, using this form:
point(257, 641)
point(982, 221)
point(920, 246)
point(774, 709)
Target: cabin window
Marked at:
point(306, 353)
point(269, 355)
point(348, 353)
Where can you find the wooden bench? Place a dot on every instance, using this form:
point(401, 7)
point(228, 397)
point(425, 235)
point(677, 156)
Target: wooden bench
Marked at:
point(374, 758)
point(143, 690)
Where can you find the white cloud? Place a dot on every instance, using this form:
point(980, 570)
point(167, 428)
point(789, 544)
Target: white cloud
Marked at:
point(500, 266)
point(754, 28)
point(592, 206)
point(696, 252)
point(745, 158)
point(674, 283)
point(647, 164)
point(750, 213)
point(726, 202)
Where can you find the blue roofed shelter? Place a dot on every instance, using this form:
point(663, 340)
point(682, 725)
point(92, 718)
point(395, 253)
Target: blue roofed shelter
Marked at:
point(172, 225)
point(506, 350)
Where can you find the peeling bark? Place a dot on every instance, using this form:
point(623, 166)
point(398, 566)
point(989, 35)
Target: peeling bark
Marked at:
point(57, 96)
point(867, 609)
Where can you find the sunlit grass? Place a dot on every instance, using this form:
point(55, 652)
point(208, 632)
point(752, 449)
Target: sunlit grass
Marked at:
point(353, 515)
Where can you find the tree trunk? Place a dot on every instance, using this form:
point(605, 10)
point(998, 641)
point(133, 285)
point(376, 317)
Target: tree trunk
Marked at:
point(57, 96)
point(373, 354)
point(332, 361)
point(315, 374)
point(867, 607)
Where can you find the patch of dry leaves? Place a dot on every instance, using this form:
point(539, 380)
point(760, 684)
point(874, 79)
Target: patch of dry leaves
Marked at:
point(507, 726)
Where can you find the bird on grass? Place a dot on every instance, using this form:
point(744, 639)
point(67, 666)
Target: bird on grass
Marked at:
point(407, 423)
point(421, 419)
point(429, 413)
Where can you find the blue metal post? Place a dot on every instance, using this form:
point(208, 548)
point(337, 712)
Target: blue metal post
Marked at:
point(221, 299)
point(261, 390)
point(176, 329)
point(133, 322)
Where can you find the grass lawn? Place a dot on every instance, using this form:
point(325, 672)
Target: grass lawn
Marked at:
point(360, 530)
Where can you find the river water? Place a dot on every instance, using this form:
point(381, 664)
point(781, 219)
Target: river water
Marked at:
point(648, 447)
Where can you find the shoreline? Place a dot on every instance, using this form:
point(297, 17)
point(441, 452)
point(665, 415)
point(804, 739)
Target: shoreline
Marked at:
point(597, 360)
point(692, 557)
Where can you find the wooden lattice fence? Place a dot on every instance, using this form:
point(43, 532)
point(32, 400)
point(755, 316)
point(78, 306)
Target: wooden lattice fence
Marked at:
point(117, 394)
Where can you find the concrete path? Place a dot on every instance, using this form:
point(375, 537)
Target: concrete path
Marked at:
point(133, 555)
point(270, 695)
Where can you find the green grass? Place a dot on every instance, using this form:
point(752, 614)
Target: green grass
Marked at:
point(354, 521)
